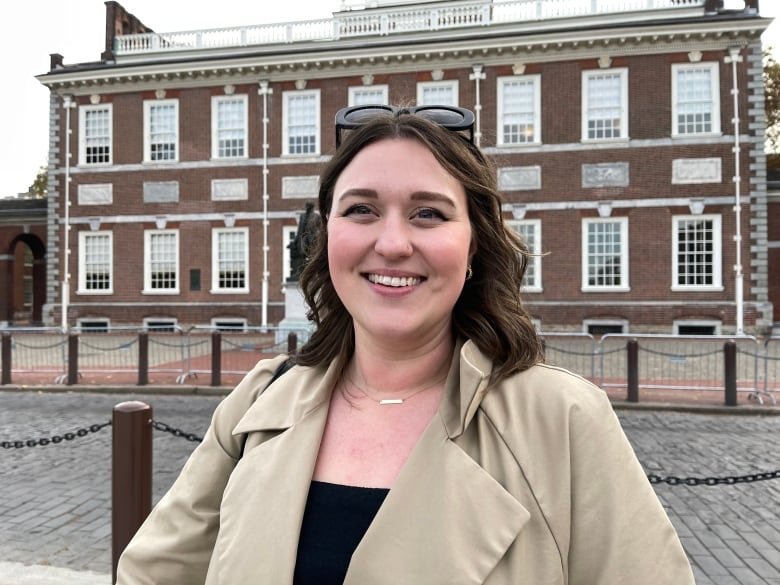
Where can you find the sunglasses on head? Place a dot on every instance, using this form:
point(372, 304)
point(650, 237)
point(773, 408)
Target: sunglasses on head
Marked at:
point(449, 117)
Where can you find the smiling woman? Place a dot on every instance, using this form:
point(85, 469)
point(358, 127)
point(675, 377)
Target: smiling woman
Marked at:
point(418, 438)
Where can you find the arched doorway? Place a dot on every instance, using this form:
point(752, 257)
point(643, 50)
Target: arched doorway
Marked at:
point(26, 278)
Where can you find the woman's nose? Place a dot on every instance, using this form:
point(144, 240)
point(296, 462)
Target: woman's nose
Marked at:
point(394, 239)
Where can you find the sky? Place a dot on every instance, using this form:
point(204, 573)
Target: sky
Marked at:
point(76, 30)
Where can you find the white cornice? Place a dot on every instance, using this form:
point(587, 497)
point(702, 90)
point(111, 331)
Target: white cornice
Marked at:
point(499, 46)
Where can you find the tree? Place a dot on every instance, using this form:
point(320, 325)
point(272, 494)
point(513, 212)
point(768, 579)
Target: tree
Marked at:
point(39, 188)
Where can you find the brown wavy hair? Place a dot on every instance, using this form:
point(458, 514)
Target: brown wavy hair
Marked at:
point(489, 310)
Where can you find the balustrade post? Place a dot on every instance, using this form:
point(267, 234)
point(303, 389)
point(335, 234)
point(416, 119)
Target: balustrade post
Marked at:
point(632, 370)
point(730, 372)
point(131, 478)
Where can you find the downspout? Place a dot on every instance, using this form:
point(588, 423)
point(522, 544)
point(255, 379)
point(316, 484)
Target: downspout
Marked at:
point(734, 57)
point(265, 91)
point(476, 77)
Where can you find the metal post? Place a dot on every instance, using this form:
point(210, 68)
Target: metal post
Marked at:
point(730, 372)
point(143, 358)
point(131, 480)
point(632, 367)
point(73, 359)
point(6, 356)
point(216, 358)
point(292, 343)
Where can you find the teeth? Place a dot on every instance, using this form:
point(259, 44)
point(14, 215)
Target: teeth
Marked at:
point(396, 281)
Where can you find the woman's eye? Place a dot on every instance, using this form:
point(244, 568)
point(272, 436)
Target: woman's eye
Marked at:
point(429, 213)
point(358, 209)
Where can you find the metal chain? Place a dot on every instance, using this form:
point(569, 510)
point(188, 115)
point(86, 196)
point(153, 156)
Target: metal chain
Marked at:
point(54, 439)
point(728, 480)
point(161, 426)
point(166, 428)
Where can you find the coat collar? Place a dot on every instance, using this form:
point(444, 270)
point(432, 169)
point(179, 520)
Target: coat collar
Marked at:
point(469, 519)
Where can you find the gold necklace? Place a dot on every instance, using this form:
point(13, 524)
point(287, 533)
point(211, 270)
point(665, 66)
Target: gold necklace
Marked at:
point(384, 401)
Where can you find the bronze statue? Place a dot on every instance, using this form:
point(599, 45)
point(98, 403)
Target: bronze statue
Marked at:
point(308, 228)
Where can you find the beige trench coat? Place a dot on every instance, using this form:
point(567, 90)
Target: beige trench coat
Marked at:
point(532, 482)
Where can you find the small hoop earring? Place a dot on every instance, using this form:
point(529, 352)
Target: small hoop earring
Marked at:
point(469, 272)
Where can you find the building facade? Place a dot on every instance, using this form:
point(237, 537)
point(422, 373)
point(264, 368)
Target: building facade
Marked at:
point(627, 135)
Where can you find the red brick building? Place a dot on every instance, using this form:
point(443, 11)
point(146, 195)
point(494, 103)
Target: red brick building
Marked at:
point(623, 131)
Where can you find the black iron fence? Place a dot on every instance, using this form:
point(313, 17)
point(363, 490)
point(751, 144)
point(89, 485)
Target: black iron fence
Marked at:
point(618, 363)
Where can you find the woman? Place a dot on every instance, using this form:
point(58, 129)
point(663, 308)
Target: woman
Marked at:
point(418, 439)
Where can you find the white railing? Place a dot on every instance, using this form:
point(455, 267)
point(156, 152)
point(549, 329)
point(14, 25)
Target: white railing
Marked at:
point(382, 22)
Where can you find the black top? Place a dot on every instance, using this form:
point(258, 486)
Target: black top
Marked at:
point(334, 521)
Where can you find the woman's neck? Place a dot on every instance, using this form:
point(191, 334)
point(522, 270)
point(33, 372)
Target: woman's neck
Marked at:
point(382, 370)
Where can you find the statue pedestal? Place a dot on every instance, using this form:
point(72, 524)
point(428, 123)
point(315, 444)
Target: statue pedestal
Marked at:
point(294, 314)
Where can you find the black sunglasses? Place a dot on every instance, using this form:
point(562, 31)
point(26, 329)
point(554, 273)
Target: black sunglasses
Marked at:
point(449, 117)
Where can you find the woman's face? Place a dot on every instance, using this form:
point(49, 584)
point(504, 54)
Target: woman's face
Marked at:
point(399, 242)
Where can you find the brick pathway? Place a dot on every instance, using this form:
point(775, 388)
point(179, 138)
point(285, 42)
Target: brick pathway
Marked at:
point(55, 508)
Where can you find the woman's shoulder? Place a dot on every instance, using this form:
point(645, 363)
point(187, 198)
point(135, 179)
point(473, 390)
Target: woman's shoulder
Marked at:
point(546, 392)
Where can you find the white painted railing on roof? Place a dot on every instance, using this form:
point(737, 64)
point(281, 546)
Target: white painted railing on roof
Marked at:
point(379, 22)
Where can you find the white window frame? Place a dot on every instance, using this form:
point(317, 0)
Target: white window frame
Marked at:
point(714, 99)
point(82, 269)
point(93, 325)
point(84, 139)
point(167, 322)
point(622, 222)
point(717, 253)
point(148, 143)
point(217, 131)
point(714, 323)
point(501, 111)
point(535, 248)
point(355, 92)
point(215, 260)
point(622, 323)
point(148, 237)
point(423, 86)
point(287, 97)
point(229, 324)
point(587, 75)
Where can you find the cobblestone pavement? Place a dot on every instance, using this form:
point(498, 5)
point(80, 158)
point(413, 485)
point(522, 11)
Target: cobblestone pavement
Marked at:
point(55, 508)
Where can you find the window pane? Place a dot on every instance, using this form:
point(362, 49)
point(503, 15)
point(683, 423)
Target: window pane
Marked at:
point(527, 231)
point(604, 254)
point(694, 101)
point(231, 260)
point(604, 106)
point(518, 112)
point(231, 128)
point(302, 124)
point(695, 253)
point(162, 132)
point(97, 136)
point(362, 97)
point(163, 269)
point(97, 262)
point(438, 95)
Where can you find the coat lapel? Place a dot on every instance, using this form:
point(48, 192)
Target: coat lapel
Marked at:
point(264, 500)
point(446, 520)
